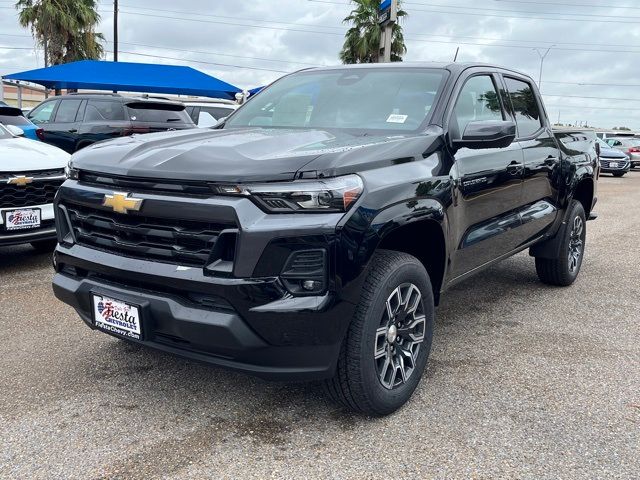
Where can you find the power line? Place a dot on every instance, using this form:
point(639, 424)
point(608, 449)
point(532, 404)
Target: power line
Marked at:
point(200, 20)
point(497, 16)
point(203, 62)
point(202, 14)
point(591, 97)
point(585, 107)
point(216, 53)
point(596, 84)
point(589, 5)
point(572, 14)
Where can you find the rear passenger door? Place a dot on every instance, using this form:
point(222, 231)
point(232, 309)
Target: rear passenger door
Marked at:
point(103, 119)
point(488, 182)
point(541, 155)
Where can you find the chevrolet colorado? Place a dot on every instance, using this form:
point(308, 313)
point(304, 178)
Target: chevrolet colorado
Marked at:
point(312, 233)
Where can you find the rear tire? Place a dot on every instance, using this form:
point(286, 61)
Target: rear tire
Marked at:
point(388, 342)
point(563, 270)
point(44, 246)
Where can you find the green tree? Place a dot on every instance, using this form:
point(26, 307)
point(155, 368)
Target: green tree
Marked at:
point(362, 40)
point(65, 28)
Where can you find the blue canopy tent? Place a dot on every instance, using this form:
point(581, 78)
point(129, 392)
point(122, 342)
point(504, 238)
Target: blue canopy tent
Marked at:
point(129, 77)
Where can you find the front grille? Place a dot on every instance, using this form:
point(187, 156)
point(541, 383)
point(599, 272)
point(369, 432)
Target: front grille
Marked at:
point(171, 187)
point(607, 163)
point(40, 191)
point(180, 242)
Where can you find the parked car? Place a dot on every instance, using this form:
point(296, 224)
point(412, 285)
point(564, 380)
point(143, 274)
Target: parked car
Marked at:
point(14, 116)
point(612, 160)
point(30, 174)
point(629, 146)
point(75, 121)
point(317, 244)
point(206, 114)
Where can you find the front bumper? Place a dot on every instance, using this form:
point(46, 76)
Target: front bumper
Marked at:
point(47, 230)
point(245, 320)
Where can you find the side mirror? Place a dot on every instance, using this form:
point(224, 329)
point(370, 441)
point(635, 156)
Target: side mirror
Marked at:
point(487, 134)
point(598, 149)
point(17, 131)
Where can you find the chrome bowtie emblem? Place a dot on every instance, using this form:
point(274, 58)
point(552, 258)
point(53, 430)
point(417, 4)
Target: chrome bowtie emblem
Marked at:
point(20, 180)
point(122, 202)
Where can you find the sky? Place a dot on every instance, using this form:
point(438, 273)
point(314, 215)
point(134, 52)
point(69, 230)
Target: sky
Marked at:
point(591, 74)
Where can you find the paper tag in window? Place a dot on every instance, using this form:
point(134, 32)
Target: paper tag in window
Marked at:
point(395, 118)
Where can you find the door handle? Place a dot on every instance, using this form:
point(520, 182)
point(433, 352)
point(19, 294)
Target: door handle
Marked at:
point(73, 130)
point(514, 168)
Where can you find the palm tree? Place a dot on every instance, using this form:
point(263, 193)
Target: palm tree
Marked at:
point(65, 28)
point(362, 40)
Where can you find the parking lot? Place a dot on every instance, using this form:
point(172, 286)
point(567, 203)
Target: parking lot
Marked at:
point(524, 381)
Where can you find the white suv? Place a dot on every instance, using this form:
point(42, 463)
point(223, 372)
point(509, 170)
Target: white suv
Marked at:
point(30, 174)
point(208, 113)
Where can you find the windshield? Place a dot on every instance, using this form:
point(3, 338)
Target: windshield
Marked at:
point(4, 133)
point(398, 99)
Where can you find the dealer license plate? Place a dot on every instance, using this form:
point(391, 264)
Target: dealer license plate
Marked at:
point(23, 219)
point(116, 316)
point(613, 165)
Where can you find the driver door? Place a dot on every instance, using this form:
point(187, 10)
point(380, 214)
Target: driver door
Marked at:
point(488, 182)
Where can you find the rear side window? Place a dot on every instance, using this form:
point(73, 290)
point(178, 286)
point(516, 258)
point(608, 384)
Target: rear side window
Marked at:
point(67, 111)
point(158, 113)
point(42, 113)
point(99, 111)
point(192, 113)
point(478, 101)
point(525, 107)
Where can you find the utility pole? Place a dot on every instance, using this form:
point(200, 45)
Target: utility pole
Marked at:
point(46, 60)
point(115, 30)
point(388, 16)
point(542, 57)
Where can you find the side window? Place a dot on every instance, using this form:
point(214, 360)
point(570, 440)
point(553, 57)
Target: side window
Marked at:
point(477, 101)
point(205, 119)
point(217, 112)
point(525, 107)
point(101, 110)
point(67, 111)
point(42, 113)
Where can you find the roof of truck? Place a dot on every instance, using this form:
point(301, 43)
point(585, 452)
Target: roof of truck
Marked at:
point(456, 68)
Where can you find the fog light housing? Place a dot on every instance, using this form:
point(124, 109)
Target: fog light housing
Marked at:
point(305, 272)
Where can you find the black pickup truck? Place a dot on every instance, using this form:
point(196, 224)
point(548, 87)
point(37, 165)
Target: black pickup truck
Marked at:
point(311, 234)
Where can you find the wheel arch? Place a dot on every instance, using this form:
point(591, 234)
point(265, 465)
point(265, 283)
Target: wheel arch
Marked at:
point(417, 227)
point(584, 192)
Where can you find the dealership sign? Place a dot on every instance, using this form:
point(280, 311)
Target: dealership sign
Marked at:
point(384, 15)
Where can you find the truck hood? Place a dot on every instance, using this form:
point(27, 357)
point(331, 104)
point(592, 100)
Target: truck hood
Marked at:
point(24, 155)
point(246, 155)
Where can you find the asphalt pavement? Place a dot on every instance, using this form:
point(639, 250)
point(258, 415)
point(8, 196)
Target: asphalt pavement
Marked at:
point(524, 381)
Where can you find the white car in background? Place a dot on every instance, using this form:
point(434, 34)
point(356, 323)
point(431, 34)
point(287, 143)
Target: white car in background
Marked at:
point(207, 113)
point(30, 174)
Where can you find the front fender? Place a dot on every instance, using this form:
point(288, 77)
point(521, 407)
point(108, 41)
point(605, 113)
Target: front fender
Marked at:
point(365, 230)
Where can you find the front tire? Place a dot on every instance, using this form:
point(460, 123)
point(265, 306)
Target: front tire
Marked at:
point(388, 342)
point(44, 246)
point(563, 270)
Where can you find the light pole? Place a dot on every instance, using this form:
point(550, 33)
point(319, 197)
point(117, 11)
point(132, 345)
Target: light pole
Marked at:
point(115, 30)
point(542, 57)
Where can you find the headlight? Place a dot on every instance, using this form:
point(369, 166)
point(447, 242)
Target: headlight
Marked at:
point(335, 194)
point(71, 172)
